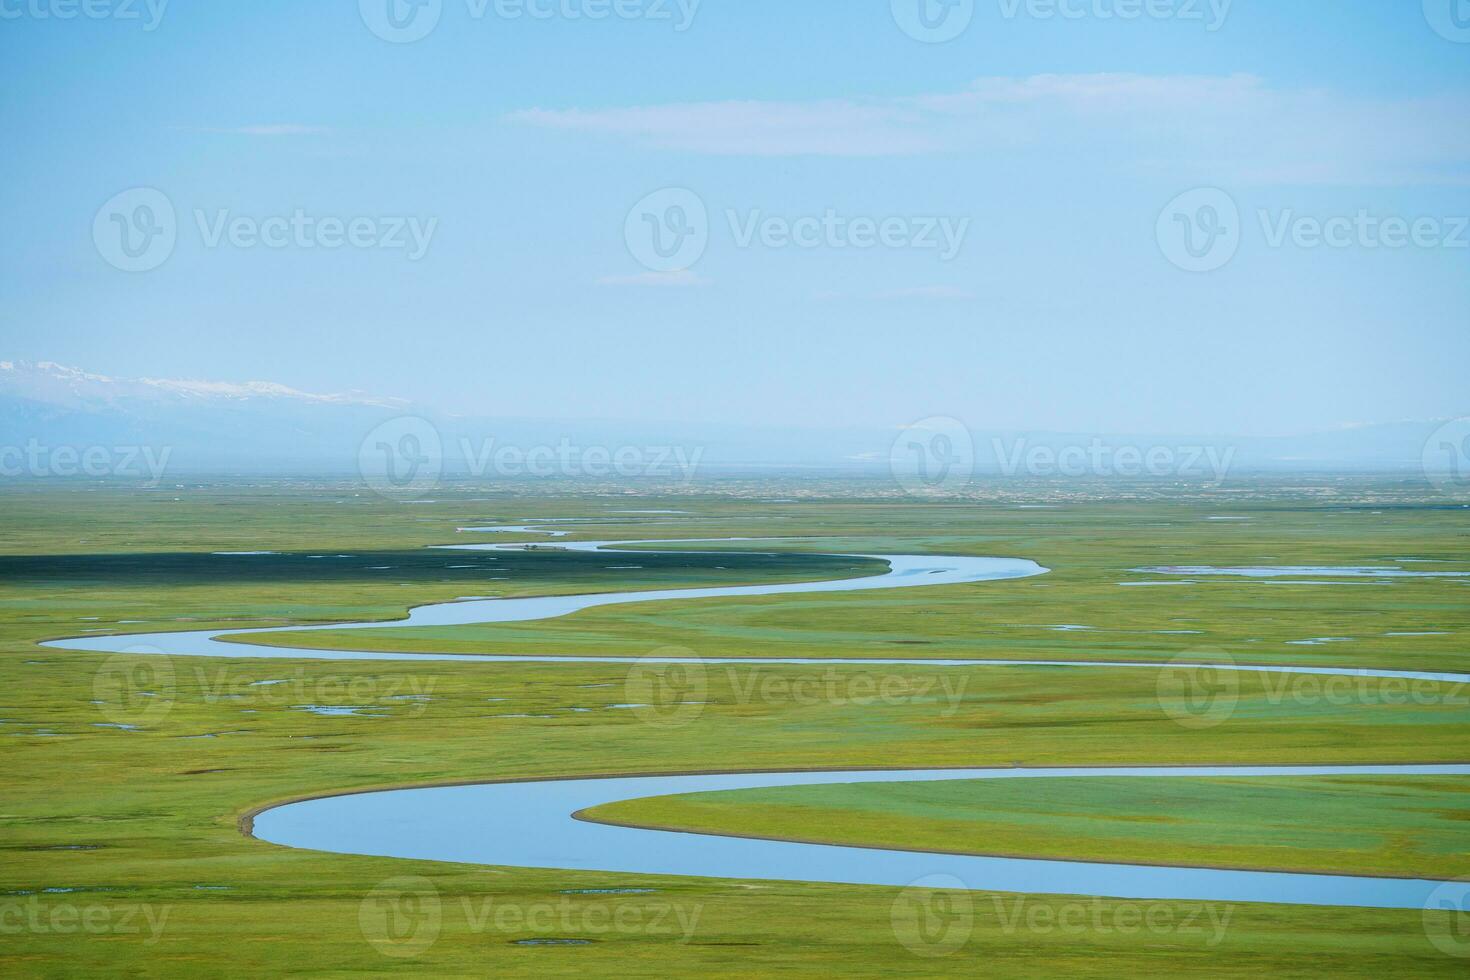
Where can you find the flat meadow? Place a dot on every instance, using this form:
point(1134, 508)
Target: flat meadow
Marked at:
point(124, 779)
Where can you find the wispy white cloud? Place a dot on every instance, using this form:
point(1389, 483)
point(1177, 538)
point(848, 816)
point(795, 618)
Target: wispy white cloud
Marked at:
point(270, 130)
point(683, 277)
point(902, 293)
point(836, 127)
point(1232, 126)
point(925, 292)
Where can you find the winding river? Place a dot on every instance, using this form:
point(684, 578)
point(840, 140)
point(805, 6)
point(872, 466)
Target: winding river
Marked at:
point(534, 823)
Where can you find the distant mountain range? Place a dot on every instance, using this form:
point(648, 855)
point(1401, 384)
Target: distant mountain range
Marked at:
point(262, 427)
point(207, 424)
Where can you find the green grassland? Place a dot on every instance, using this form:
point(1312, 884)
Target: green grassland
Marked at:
point(1091, 549)
point(1400, 826)
point(98, 820)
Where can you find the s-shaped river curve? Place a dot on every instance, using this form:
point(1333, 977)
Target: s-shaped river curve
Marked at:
point(533, 823)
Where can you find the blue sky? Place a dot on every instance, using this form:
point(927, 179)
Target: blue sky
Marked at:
point(520, 144)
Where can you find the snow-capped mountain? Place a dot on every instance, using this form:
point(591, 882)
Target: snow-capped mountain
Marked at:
point(58, 384)
point(262, 426)
point(206, 424)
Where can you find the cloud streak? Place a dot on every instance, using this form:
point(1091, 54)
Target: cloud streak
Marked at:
point(271, 130)
point(659, 280)
point(1231, 126)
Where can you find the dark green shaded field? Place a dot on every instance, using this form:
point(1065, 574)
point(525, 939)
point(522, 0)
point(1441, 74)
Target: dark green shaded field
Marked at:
point(544, 570)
